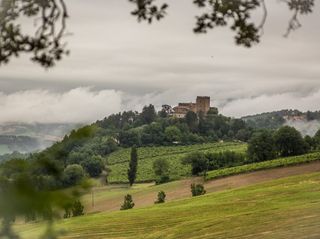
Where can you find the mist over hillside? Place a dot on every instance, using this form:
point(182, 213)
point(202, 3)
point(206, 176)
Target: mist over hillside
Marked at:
point(305, 127)
point(308, 123)
point(26, 138)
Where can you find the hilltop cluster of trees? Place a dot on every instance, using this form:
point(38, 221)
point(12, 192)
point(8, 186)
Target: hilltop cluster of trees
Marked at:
point(158, 128)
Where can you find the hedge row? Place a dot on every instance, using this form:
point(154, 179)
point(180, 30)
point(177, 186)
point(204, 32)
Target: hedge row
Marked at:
point(281, 162)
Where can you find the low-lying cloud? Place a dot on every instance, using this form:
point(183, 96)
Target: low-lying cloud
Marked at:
point(85, 104)
point(76, 106)
point(272, 102)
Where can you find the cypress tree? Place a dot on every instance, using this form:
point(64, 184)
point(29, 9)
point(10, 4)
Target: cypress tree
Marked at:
point(132, 171)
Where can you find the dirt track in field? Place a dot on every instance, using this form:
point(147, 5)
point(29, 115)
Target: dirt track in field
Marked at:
point(181, 189)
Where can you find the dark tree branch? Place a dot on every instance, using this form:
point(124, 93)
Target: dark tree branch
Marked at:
point(46, 44)
point(299, 7)
point(264, 17)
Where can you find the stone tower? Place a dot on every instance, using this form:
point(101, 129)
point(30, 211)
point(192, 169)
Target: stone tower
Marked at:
point(203, 104)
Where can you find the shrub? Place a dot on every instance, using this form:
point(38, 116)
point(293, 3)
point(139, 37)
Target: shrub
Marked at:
point(161, 170)
point(128, 203)
point(161, 197)
point(77, 209)
point(197, 190)
point(67, 212)
point(198, 161)
point(162, 179)
point(225, 159)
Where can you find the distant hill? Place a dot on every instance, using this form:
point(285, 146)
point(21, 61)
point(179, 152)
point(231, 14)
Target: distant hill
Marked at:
point(25, 138)
point(306, 122)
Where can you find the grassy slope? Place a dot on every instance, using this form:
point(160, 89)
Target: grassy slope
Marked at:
point(286, 208)
point(118, 162)
point(110, 198)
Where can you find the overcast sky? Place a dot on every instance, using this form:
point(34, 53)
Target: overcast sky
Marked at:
point(118, 64)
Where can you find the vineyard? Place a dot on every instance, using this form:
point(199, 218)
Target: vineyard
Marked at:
point(118, 161)
point(282, 162)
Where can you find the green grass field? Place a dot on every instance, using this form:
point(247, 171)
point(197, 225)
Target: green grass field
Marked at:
point(118, 161)
point(285, 208)
point(281, 162)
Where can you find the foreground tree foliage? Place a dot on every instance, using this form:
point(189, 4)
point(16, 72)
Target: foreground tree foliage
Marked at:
point(75, 209)
point(47, 45)
point(33, 187)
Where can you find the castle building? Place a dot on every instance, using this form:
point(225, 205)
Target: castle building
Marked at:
point(202, 105)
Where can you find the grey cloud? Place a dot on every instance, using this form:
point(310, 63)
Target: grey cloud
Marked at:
point(167, 63)
point(75, 106)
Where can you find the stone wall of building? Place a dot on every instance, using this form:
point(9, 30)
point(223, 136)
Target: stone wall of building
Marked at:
point(203, 104)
